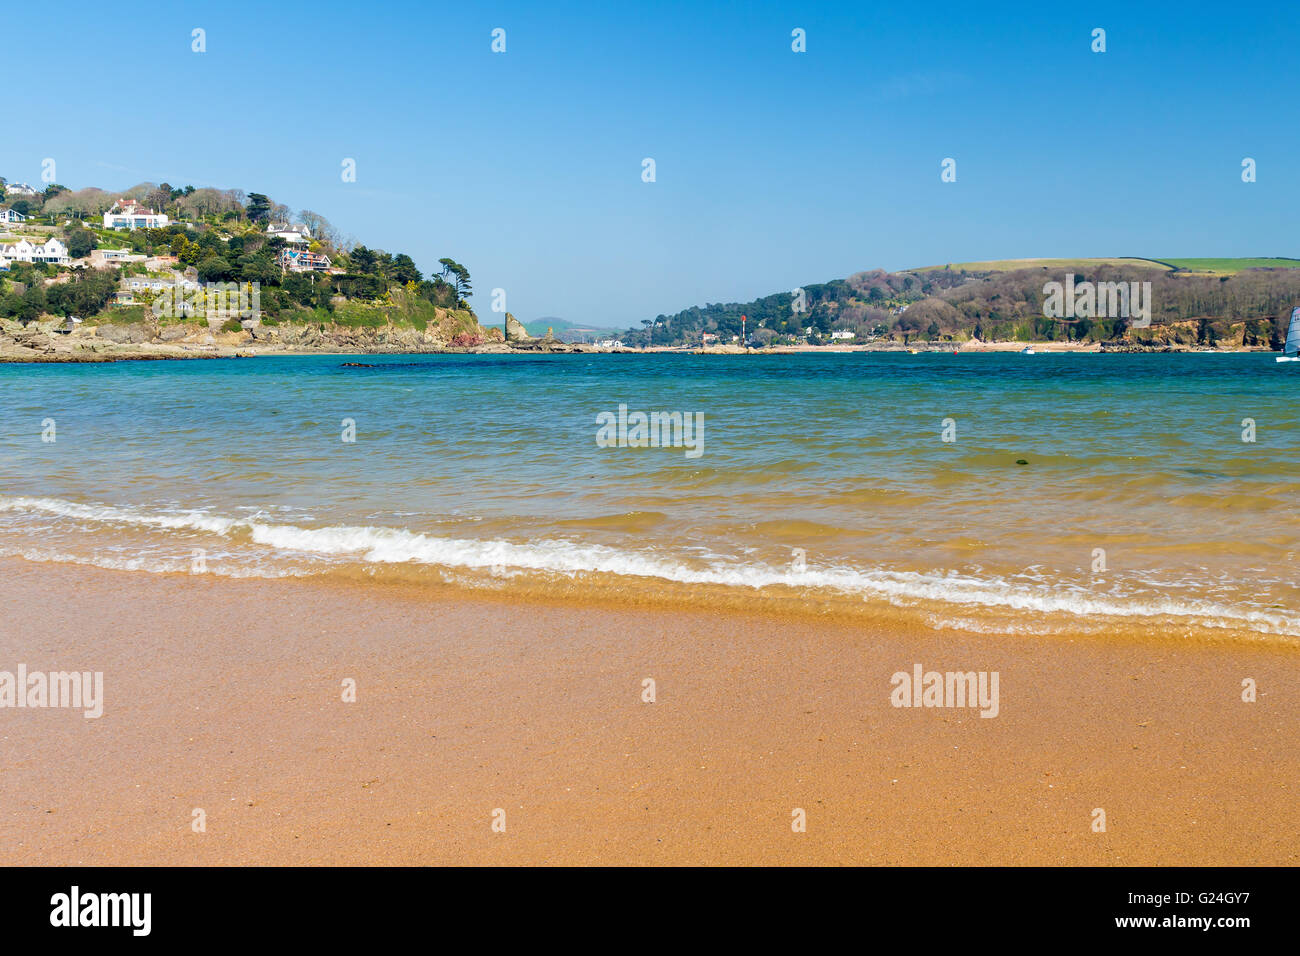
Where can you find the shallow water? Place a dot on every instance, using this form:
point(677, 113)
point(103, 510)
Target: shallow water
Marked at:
point(820, 478)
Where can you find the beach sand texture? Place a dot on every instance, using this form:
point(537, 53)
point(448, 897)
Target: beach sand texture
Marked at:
point(225, 695)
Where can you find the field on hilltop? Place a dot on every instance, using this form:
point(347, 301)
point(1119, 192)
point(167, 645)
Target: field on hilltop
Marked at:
point(1012, 265)
point(1204, 266)
point(1230, 266)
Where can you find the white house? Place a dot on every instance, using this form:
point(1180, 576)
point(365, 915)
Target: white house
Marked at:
point(129, 214)
point(295, 233)
point(157, 283)
point(842, 334)
point(11, 215)
point(24, 250)
point(107, 258)
point(20, 189)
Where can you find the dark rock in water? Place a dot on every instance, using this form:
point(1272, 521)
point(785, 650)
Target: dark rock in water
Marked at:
point(357, 365)
point(1021, 461)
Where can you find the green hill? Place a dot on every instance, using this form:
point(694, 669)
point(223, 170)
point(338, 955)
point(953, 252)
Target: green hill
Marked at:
point(1192, 302)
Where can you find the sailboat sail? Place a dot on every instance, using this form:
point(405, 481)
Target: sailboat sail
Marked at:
point(1293, 334)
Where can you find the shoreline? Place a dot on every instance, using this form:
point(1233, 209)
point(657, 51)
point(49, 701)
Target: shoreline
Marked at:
point(108, 353)
point(224, 694)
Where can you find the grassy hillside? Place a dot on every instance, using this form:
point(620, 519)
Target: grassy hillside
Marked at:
point(1205, 266)
point(222, 236)
point(567, 331)
point(1230, 266)
point(1011, 265)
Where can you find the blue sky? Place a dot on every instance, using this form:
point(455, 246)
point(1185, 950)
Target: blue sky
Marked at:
point(774, 168)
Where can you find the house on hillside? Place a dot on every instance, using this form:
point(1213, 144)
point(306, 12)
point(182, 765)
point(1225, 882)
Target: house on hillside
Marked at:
point(157, 283)
point(297, 233)
point(129, 214)
point(20, 189)
point(300, 260)
point(843, 335)
point(11, 215)
point(52, 250)
point(108, 258)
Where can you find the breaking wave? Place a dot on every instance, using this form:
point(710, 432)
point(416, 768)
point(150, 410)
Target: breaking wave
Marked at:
point(345, 544)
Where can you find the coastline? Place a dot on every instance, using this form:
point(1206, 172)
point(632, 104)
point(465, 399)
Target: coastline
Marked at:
point(224, 694)
point(111, 352)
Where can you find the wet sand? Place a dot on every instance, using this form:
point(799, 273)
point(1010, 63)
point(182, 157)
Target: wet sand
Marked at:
point(225, 695)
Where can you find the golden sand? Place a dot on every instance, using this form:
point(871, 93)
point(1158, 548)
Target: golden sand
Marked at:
point(226, 696)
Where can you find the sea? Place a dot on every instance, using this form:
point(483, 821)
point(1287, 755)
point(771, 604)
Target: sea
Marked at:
point(1048, 494)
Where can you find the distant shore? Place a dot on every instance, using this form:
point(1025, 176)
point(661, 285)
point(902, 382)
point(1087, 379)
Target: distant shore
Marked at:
point(89, 351)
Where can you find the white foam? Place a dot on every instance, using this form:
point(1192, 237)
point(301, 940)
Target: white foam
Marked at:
point(381, 545)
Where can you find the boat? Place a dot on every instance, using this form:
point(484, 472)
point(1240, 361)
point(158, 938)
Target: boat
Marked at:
point(1028, 350)
point(1292, 347)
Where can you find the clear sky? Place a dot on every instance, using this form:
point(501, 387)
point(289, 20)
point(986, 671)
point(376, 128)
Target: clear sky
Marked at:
point(773, 168)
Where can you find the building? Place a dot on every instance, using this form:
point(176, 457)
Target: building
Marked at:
point(135, 284)
point(107, 258)
point(24, 250)
point(11, 215)
point(21, 189)
point(298, 234)
point(300, 260)
point(840, 335)
point(129, 214)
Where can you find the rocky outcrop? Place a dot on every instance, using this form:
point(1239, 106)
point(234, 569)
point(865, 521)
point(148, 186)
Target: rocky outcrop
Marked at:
point(515, 331)
point(110, 341)
point(136, 333)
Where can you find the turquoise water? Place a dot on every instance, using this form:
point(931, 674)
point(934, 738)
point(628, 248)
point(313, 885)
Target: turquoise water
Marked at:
point(821, 477)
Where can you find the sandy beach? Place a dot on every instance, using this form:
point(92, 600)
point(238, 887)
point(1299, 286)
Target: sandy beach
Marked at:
point(226, 696)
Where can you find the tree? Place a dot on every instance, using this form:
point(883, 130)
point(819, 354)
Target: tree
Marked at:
point(215, 269)
point(80, 242)
point(86, 293)
point(159, 198)
point(259, 268)
point(457, 275)
point(259, 207)
point(404, 270)
point(363, 260)
point(34, 303)
point(320, 227)
point(11, 305)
